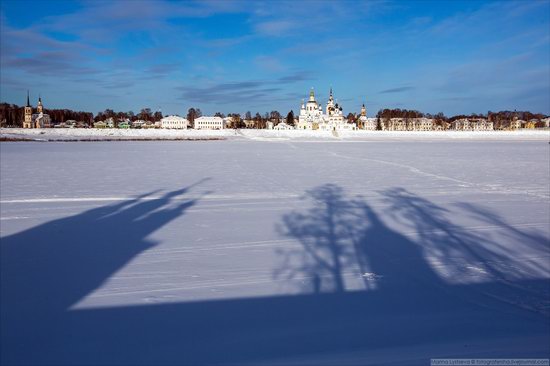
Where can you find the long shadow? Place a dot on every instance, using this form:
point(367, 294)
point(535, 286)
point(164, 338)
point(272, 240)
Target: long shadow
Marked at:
point(48, 268)
point(443, 274)
point(364, 288)
point(475, 255)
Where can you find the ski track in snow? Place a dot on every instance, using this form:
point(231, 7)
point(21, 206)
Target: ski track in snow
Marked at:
point(412, 169)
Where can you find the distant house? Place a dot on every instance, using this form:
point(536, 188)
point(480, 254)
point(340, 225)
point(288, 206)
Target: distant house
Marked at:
point(394, 124)
point(123, 124)
point(174, 122)
point(249, 123)
point(227, 122)
point(472, 124)
point(208, 123)
point(269, 125)
point(422, 124)
point(110, 122)
point(100, 124)
point(138, 123)
point(531, 123)
point(367, 123)
point(516, 124)
point(283, 126)
point(408, 124)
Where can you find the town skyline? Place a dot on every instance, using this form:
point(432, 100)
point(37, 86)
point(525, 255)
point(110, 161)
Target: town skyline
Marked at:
point(233, 57)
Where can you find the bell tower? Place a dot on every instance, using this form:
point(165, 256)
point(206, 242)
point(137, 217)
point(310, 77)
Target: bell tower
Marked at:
point(27, 122)
point(330, 103)
point(40, 107)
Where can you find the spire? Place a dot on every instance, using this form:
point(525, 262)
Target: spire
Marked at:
point(39, 99)
point(28, 102)
point(331, 90)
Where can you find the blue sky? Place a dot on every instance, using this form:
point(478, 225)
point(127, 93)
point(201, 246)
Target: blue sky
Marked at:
point(233, 56)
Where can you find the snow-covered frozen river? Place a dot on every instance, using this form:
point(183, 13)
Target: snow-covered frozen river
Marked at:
point(250, 244)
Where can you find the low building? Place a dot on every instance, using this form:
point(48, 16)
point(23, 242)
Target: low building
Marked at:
point(368, 123)
point(516, 124)
point(472, 124)
point(138, 123)
point(408, 124)
point(41, 120)
point(334, 126)
point(123, 124)
point(394, 124)
point(531, 123)
point(283, 126)
point(208, 123)
point(422, 124)
point(249, 123)
point(100, 124)
point(227, 122)
point(174, 122)
point(110, 122)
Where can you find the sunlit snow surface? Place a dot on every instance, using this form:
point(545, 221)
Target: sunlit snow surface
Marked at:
point(91, 226)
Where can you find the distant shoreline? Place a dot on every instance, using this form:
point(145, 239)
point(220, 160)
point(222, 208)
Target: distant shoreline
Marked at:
point(25, 139)
point(99, 135)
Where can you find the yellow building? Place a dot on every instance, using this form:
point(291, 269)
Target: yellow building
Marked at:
point(36, 120)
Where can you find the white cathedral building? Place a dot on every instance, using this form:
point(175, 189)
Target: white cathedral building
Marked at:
point(312, 117)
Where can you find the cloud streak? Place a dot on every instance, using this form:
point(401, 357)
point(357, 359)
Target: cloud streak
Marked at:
point(397, 90)
point(258, 91)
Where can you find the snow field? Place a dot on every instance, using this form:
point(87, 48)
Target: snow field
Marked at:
point(243, 251)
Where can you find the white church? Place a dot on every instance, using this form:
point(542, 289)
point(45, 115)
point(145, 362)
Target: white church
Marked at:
point(312, 117)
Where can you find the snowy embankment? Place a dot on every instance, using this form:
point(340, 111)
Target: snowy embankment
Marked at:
point(389, 135)
point(92, 134)
point(111, 134)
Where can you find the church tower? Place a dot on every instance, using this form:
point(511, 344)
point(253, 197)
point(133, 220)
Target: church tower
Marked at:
point(311, 96)
point(27, 122)
point(363, 110)
point(40, 107)
point(330, 103)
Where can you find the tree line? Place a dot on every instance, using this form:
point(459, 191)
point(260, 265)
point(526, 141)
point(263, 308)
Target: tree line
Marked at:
point(258, 121)
point(13, 115)
point(490, 116)
point(145, 114)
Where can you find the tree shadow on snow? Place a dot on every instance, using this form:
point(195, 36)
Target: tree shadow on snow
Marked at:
point(364, 286)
